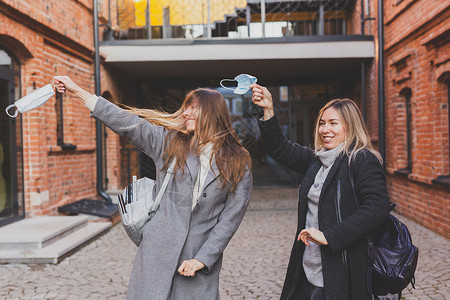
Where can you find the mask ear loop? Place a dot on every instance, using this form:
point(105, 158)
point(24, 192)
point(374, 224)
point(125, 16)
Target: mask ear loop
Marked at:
point(54, 86)
point(8, 108)
point(231, 89)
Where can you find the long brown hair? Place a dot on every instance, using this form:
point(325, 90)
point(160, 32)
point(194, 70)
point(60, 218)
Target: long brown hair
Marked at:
point(356, 134)
point(213, 125)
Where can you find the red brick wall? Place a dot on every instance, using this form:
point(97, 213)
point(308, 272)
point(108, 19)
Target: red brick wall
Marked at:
point(71, 18)
point(420, 202)
point(50, 38)
point(417, 55)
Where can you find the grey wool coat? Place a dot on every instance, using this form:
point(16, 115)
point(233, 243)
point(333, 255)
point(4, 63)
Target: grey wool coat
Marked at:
point(176, 233)
point(357, 224)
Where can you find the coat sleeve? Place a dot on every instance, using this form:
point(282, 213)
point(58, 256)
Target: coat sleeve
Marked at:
point(291, 155)
point(147, 137)
point(374, 208)
point(229, 220)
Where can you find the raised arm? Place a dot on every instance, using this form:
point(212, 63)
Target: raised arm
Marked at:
point(292, 155)
point(147, 137)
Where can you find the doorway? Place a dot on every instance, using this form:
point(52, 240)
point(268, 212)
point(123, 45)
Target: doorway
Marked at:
point(11, 157)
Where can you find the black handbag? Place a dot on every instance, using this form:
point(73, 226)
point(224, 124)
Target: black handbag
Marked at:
point(392, 256)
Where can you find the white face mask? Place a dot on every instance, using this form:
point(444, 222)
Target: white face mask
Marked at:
point(31, 101)
point(244, 81)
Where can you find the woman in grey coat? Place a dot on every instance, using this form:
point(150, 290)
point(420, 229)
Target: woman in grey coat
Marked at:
point(180, 255)
point(329, 256)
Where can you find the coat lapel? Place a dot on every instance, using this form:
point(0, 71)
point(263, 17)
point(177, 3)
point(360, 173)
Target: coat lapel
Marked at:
point(212, 174)
point(193, 167)
point(192, 164)
point(310, 176)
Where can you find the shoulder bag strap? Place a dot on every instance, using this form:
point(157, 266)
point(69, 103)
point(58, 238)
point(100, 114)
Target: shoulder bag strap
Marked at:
point(163, 188)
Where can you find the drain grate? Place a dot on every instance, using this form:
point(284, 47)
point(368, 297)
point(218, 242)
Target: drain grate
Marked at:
point(91, 207)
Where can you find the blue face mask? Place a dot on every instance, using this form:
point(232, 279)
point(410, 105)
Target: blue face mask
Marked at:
point(244, 81)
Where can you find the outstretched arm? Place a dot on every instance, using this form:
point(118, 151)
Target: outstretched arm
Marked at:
point(149, 138)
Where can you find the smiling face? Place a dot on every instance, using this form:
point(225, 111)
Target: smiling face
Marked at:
point(191, 115)
point(331, 128)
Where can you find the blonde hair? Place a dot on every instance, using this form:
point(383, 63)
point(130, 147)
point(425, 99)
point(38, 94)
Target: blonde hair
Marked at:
point(356, 135)
point(213, 125)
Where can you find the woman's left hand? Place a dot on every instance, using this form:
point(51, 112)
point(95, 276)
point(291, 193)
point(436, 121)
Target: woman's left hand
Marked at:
point(313, 235)
point(189, 267)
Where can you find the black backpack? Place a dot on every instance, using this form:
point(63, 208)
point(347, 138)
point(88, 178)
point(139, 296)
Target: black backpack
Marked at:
point(392, 256)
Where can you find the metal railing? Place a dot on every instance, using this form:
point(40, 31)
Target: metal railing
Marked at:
point(194, 19)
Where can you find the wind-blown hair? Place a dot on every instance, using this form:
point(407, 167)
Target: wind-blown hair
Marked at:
point(356, 134)
point(213, 125)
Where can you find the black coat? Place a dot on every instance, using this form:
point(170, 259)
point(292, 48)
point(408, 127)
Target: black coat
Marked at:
point(370, 186)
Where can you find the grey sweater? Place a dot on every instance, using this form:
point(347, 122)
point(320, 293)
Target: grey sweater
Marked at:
point(312, 260)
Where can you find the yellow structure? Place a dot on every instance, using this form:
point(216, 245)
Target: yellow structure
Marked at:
point(185, 12)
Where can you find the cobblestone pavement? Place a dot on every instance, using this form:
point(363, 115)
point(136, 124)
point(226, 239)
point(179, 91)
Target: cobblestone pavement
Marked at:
point(254, 262)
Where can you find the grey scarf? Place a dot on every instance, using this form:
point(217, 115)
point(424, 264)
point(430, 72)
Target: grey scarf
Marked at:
point(312, 261)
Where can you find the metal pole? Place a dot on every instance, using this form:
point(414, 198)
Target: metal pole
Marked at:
point(263, 17)
point(109, 14)
point(367, 13)
point(209, 21)
point(363, 89)
point(321, 20)
point(248, 19)
point(381, 121)
point(98, 125)
point(362, 17)
point(148, 24)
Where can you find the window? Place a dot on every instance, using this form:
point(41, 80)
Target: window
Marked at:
point(445, 178)
point(405, 94)
point(448, 112)
point(60, 124)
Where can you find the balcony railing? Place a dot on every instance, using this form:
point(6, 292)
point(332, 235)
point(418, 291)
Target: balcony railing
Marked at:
point(196, 19)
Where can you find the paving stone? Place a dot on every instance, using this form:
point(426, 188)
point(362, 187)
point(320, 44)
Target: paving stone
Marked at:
point(254, 263)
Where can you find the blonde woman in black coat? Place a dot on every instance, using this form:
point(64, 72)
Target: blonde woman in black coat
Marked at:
point(329, 256)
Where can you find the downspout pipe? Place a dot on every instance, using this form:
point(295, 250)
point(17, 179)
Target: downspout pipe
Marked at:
point(363, 69)
point(381, 95)
point(98, 125)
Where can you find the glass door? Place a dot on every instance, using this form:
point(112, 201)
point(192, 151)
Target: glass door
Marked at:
point(11, 169)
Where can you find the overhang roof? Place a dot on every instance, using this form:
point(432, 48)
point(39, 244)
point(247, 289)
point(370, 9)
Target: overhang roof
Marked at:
point(289, 56)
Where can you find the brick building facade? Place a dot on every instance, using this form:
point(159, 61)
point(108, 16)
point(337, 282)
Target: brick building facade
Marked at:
point(417, 73)
point(45, 38)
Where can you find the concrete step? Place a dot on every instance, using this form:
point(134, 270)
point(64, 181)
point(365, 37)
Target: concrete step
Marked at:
point(58, 250)
point(113, 194)
point(37, 233)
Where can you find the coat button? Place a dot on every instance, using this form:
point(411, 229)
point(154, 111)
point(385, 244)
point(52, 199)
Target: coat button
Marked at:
point(204, 194)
